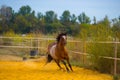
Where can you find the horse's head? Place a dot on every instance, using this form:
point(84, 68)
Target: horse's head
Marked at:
point(62, 38)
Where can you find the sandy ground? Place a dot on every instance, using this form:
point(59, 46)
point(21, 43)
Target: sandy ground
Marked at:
point(36, 70)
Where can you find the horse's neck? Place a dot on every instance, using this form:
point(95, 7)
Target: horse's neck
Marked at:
point(60, 47)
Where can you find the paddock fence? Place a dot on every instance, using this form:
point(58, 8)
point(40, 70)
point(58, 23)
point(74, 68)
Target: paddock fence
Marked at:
point(78, 50)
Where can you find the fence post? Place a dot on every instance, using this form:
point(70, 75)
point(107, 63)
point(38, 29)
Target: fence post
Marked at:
point(31, 44)
point(38, 46)
point(115, 56)
point(84, 51)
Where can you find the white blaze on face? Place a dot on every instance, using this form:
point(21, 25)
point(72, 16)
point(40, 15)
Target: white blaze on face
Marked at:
point(52, 51)
point(64, 37)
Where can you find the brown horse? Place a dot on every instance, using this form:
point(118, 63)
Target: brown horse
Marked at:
point(57, 51)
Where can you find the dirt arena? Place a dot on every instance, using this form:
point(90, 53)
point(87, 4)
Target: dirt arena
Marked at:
point(35, 70)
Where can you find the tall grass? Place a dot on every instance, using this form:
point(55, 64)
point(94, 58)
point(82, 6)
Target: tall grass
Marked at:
point(96, 34)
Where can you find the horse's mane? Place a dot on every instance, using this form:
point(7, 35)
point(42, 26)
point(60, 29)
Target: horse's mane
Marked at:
point(59, 36)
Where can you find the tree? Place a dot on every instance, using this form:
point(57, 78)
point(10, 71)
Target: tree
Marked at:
point(6, 14)
point(24, 10)
point(105, 22)
point(40, 16)
point(50, 17)
point(22, 24)
point(116, 27)
point(94, 20)
point(29, 20)
point(84, 19)
point(65, 18)
point(40, 22)
point(73, 18)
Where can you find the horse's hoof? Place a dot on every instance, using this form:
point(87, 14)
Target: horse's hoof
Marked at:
point(72, 70)
point(68, 71)
point(63, 69)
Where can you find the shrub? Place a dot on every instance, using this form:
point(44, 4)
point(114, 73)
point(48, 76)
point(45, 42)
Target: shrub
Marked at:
point(98, 50)
point(9, 40)
point(96, 34)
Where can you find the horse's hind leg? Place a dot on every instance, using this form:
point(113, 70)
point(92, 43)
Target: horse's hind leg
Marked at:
point(65, 65)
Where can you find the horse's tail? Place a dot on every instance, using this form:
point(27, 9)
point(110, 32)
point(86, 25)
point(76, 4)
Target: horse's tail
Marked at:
point(49, 58)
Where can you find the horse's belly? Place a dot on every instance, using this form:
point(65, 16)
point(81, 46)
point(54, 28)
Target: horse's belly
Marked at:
point(52, 52)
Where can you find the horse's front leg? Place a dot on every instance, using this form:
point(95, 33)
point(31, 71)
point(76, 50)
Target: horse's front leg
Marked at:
point(65, 65)
point(69, 64)
point(58, 63)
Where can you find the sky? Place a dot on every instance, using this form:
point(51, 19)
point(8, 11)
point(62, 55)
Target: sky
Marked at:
point(97, 8)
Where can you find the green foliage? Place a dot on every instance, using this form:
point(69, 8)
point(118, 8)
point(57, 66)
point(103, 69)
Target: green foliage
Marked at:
point(97, 51)
point(116, 27)
point(105, 22)
point(50, 17)
point(74, 29)
point(9, 34)
point(9, 40)
point(73, 19)
point(94, 20)
point(84, 19)
point(65, 18)
point(100, 32)
point(116, 77)
point(40, 16)
point(25, 10)
point(25, 21)
point(22, 24)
